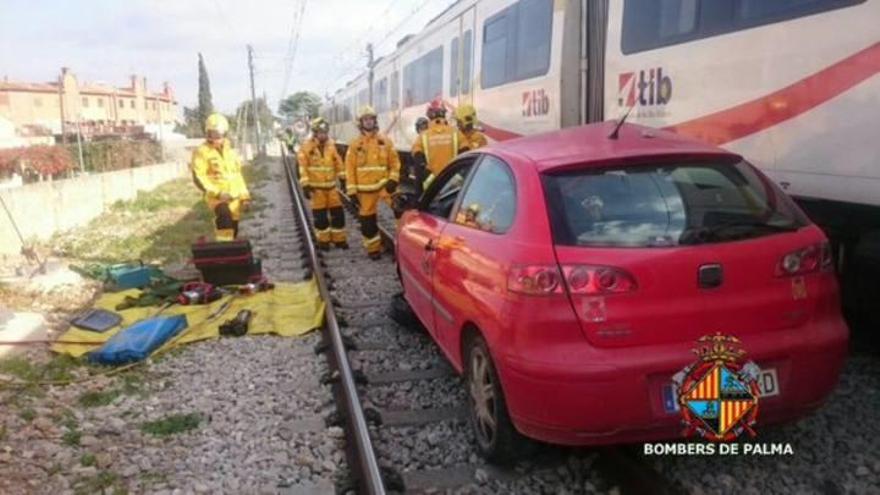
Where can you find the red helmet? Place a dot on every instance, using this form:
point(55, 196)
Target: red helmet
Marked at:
point(436, 109)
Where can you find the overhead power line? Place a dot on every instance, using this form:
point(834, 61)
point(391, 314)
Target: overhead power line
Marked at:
point(292, 46)
point(346, 71)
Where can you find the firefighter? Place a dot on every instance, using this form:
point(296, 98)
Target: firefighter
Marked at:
point(421, 125)
point(216, 169)
point(435, 147)
point(409, 171)
point(319, 167)
point(371, 165)
point(289, 139)
point(466, 116)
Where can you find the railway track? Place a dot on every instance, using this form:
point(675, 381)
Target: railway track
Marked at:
point(403, 407)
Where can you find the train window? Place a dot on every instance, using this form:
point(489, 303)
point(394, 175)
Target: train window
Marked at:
point(460, 75)
point(533, 38)
point(467, 51)
point(453, 67)
point(649, 24)
point(495, 51)
point(380, 95)
point(363, 97)
point(516, 43)
point(423, 78)
point(395, 90)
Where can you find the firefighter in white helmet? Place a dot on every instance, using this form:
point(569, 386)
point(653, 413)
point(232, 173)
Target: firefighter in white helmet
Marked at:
point(319, 167)
point(371, 165)
point(216, 170)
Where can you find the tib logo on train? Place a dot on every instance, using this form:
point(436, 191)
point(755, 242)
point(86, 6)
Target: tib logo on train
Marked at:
point(645, 88)
point(718, 394)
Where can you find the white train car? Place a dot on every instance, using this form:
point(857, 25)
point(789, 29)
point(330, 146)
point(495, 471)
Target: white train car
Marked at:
point(792, 85)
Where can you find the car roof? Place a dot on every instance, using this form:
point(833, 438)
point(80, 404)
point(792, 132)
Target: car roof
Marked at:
point(590, 145)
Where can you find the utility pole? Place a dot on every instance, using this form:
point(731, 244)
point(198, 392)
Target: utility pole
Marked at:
point(370, 66)
point(161, 134)
point(82, 166)
point(258, 143)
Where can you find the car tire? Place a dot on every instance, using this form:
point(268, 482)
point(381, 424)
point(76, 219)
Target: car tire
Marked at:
point(496, 438)
point(401, 312)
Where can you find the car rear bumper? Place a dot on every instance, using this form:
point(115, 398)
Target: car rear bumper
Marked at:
point(603, 396)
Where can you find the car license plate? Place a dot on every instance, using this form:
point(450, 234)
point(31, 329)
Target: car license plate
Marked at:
point(768, 385)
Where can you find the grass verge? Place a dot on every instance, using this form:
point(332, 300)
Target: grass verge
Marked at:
point(171, 425)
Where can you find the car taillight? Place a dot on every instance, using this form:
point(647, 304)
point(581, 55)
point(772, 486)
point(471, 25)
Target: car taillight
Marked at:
point(805, 260)
point(534, 280)
point(594, 280)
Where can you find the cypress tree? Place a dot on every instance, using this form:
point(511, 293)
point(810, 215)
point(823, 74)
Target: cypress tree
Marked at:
point(206, 107)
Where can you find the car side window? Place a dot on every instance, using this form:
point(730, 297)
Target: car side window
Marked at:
point(489, 203)
point(440, 197)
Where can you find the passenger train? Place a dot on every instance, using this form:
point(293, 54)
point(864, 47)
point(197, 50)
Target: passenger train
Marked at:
point(792, 85)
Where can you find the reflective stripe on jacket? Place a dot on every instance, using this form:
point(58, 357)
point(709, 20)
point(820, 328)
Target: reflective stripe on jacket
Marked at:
point(219, 171)
point(319, 166)
point(370, 162)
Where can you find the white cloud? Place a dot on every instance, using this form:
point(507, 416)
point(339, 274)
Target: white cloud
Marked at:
point(103, 40)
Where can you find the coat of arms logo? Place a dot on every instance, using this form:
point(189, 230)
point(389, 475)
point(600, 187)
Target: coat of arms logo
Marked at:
point(718, 393)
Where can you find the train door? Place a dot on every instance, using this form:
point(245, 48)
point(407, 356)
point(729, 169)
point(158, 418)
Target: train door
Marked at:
point(461, 59)
point(593, 41)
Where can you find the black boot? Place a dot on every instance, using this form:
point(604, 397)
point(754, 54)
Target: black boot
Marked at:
point(324, 246)
point(341, 244)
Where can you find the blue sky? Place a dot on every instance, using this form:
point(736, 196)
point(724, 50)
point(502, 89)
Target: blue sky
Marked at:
point(106, 41)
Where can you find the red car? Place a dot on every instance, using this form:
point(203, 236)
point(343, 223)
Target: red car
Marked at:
point(568, 276)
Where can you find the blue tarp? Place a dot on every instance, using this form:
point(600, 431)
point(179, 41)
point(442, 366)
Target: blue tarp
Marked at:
point(139, 340)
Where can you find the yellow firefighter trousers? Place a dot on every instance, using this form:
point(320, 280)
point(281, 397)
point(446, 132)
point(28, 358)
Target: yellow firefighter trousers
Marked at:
point(226, 217)
point(328, 215)
point(369, 202)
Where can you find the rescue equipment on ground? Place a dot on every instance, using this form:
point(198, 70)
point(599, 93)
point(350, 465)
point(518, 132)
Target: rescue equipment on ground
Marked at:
point(226, 263)
point(288, 310)
point(156, 294)
point(138, 341)
point(260, 284)
point(238, 326)
point(96, 320)
point(199, 293)
point(121, 276)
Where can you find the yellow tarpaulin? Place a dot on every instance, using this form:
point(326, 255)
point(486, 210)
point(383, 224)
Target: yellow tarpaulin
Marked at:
point(287, 310)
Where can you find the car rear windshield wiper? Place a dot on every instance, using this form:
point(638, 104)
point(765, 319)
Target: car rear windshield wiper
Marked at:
point(758, 225)
point(699, 235)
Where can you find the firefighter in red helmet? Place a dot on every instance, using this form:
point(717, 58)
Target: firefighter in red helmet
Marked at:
point(435, 147)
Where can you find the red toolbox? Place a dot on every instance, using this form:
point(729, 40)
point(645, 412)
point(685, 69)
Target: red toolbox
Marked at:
point(226, 263)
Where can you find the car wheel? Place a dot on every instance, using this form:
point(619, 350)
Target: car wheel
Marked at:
point(497, 438)
point(402, 313)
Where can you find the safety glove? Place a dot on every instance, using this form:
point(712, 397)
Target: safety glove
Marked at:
point(391, 186)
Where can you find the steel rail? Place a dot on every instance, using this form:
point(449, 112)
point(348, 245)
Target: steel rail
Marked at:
point(366, 470)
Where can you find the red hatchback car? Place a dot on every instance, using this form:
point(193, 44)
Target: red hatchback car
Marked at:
point(568, 276)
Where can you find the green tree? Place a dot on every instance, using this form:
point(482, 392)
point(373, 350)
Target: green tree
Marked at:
point(206, 106)
point(300, 103)
point(193, 123)
point(267, 120)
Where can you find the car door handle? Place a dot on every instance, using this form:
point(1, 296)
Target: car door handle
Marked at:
point(430, 246)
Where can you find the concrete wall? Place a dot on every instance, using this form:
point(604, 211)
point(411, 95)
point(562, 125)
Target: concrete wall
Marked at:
point(44, 208)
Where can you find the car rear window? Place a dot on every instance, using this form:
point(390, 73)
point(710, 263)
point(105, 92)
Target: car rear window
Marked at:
point(668, 204)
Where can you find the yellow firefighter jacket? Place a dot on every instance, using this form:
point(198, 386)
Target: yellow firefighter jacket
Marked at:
point(370, 162)
point(440, 143)
point(474, 139)
point(319, 166)
point(219, 172)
